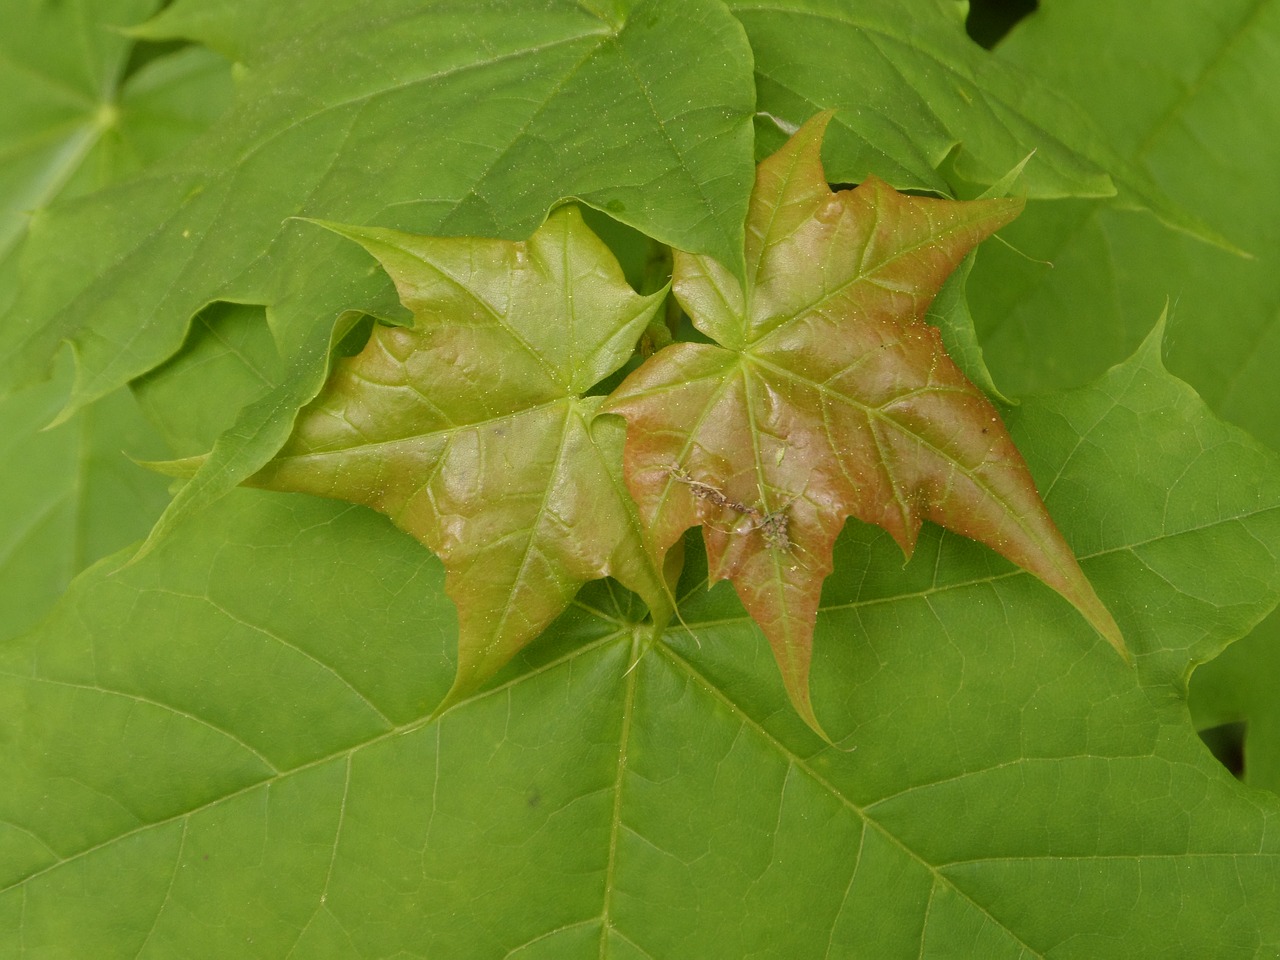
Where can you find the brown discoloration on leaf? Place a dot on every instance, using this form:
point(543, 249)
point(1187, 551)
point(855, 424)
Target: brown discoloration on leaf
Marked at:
point(827, 397)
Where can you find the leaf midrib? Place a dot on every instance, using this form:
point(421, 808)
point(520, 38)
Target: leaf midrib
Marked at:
point(582, 404)
point(895, 425)
point(794, 760)
point(863, 275)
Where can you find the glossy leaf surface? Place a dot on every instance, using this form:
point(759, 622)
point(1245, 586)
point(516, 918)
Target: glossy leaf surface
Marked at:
point(472, 431)
point(828, 396)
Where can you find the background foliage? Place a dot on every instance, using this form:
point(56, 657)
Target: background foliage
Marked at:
point(226, 747)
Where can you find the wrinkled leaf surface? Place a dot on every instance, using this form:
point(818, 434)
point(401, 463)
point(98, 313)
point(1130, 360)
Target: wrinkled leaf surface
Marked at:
point(472, 432)
point(827, 396)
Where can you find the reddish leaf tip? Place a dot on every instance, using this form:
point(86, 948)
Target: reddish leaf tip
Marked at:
point(828, 397)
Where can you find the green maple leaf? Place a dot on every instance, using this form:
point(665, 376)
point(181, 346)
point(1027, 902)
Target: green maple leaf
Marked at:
point(77, 117)
point(1205, 123)
point(233, 741)
point(1207, 81)
point(520, 90)
point(919, 104)
point(79, 114)
point(827, 396)
point(234, 745)
point(472, 430)
point(211, 223)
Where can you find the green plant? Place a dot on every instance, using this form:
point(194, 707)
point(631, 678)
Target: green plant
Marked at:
point(229, 741)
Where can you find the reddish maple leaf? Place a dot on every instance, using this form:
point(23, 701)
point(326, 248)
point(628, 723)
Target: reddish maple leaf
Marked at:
point(827, 397)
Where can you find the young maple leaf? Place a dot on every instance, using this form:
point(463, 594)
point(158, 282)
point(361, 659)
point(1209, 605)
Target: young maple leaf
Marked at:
point(472, 432)
point(828, 396)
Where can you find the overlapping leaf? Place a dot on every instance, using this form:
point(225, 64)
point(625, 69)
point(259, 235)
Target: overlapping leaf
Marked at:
point(829, 397)
point(1201, 113)
point(1204, 123)
point(75, 117)
point(228, 746)
point(441, 118)
point(78, 110)
point(914, 94)
point(68, 496)
point(462, 119)
point(472, 432)
point(1235, 694)
point(232, 740)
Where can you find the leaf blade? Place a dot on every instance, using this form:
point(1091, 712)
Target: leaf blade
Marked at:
point(545, 806)
point(830, 397)
point(471, 432)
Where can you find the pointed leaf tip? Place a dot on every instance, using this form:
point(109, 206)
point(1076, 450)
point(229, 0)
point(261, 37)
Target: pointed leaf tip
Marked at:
point(472, 432)
point(827, 396)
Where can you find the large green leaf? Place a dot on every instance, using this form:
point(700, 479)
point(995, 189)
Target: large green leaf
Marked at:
point(68, 496)
point(1200, 111)
point(439, 118)
point(80, 111)
point(452, 117)
point(225, 748)
point(911, 89)
point(75, 117)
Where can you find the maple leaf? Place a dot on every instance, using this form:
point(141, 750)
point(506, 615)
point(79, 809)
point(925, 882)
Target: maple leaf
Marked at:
point(826, 396)
point(472, 431)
